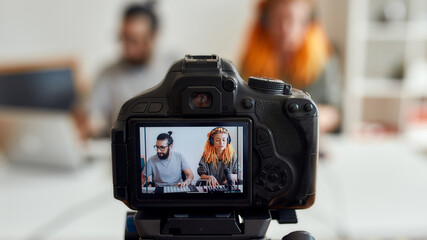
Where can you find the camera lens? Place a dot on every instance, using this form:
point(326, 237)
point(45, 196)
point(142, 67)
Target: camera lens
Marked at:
point(201, 100)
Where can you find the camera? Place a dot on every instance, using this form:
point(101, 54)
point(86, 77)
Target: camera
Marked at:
point(259, 140)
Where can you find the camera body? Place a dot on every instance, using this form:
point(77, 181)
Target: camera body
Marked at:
point(274, 129)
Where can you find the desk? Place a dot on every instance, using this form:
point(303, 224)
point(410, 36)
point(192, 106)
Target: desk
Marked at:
point(366, 190)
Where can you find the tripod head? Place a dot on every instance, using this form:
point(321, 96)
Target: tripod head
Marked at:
point(298, 235)
point(212, 225)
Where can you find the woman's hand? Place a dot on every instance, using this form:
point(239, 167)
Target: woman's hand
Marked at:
point(212, 181)
point(234, 182)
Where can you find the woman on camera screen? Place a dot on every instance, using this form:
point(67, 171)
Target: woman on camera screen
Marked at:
point(217, 156)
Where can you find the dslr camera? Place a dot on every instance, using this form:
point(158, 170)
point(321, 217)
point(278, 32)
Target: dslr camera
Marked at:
point(166, 142)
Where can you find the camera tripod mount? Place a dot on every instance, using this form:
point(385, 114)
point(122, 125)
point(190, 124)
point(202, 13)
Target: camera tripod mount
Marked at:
point(207, 225)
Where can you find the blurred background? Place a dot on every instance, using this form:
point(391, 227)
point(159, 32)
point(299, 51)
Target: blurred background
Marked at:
point(55, 173)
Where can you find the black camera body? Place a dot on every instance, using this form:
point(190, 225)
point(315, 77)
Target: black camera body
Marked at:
point(276, 136)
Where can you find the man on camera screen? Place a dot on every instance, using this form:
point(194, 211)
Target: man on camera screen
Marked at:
point(166, 167)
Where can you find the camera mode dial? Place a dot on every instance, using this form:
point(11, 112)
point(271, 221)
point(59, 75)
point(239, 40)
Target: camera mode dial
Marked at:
point(269, 85)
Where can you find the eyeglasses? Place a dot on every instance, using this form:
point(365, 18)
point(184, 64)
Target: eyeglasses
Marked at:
point(162, 148)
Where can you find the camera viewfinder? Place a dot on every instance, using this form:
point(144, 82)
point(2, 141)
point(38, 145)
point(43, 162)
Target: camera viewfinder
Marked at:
point(201, 100)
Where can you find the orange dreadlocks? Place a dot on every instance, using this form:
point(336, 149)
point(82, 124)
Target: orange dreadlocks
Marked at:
point(209, 152)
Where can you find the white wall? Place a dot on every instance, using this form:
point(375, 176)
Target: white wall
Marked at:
point(32, 30)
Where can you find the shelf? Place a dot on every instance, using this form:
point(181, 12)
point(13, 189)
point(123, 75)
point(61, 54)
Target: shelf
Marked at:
point(377, 87)
point(415, 30)
point(387, 31)
point(385, 88)
point(386, 65)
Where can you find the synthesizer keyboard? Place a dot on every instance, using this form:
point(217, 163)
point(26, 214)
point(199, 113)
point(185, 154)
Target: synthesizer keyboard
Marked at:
point(177, 189)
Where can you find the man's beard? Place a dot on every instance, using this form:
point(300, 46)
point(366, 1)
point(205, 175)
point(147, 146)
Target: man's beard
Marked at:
point(142, 60)
point(164, 156)
point(135, 62)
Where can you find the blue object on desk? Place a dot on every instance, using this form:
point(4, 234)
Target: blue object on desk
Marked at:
point(130, 224)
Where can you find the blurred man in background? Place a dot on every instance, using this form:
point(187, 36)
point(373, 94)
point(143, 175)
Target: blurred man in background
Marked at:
point(137, 70)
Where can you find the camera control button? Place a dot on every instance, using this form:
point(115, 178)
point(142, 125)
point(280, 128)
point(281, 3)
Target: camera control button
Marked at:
point(308, 107)
point(266, 151)
point(262, 136)
point(273, 177)
point(140, 108)
point(155, 107)
point(273, 188)
point(229, 84)
point(261, 181)
point(247, 103)
point(284, 178)
point(293, 107)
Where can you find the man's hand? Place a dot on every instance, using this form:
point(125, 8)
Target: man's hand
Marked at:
point(185, 183)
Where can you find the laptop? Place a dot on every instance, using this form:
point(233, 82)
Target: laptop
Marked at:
point(35, 115)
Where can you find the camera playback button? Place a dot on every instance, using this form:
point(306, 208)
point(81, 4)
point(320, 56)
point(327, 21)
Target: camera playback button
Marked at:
point(262, 136)
point(155, 107)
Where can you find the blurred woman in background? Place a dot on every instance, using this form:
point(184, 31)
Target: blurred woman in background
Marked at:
point(286, 42)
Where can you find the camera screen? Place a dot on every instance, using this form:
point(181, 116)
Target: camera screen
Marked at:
point(182, 158)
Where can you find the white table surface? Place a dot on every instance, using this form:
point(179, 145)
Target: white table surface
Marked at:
point(367, 189)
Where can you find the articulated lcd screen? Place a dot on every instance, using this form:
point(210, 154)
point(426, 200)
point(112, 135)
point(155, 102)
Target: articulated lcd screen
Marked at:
point(192, 158)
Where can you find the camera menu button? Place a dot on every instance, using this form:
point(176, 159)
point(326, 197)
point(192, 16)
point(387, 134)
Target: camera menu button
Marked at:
point(140, 108)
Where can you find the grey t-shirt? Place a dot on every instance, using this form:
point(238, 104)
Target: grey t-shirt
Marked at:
point(166, 172)
point(119, 82)
point(217, 172)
